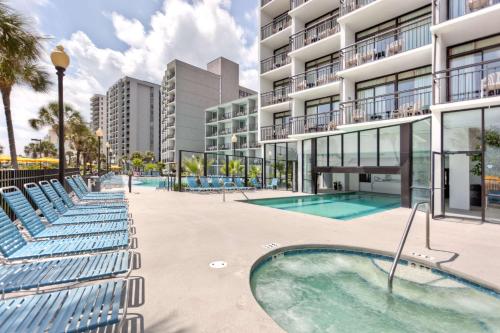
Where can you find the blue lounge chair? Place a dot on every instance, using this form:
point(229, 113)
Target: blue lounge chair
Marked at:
point(91, 205)
point(229, 184)
point(54, 217)
point(240, 184)
point(14, 247)
point(493, 197)
point(90, 196)
point(85, 190)
point(31, 221)
point(70, 310)
point(255, 183)
point(206, 185)
point(273, 185)
point(63, 209)
point(31, 275)
point(193, 186)
point(216, 183)
point(81, 183)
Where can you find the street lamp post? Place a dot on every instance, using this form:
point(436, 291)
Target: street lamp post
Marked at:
point(60, 60)
point(99, 135)
point(111, 159)
point(234, 140)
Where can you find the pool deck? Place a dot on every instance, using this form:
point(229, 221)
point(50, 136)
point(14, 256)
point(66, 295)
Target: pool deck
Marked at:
point(179, 234)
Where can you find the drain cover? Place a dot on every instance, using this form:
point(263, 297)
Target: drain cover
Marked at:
point(218, 264)
point(271, 246)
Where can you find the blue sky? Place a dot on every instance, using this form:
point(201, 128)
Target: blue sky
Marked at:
point(107, 39)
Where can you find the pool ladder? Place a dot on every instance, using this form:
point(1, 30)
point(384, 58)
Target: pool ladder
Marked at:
point(405, 235)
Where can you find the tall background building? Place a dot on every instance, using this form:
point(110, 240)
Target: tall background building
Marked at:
point(99, 117)
point(187, 91)
point(350, 90)
point(133, 114)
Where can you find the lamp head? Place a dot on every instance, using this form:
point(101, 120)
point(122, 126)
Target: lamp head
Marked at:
point(59, 58)
point(234, 139)
point(99, 133)
point(108, 145)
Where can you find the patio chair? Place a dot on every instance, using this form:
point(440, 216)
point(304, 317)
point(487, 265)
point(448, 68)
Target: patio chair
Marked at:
point(90, 196)
point(39, 274)
point(255, 183)
point(58, 203)
point(240, 185)
point(478, 4)
point(229, 184)
point(204, 184)
point(14, 247)
point(193, 186)
point(37, 230)
point(82, 204)
point(79, 309)
point(353, 60)
point(54, 217)
point(81, 183)
point(216, 183)
point(273, 185)
point(394, 47)
point(493, 197)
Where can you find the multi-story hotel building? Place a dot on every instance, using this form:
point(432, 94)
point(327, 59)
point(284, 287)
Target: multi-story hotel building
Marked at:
point(187, 91)
point(98, 112)
point(235, 119)
point(133, 117)
point(386, 96)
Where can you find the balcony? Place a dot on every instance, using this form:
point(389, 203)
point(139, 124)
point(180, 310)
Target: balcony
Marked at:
point(272, 8)
point(458, 8)
point(225, 131)
point(224, 146)
point(170, 86)
point(274, 132)
point(351, 5)
point(211, 119)
point(225, 116)
point(170, 110)
point(170, 98)
point(253, 110)
point(318, 34)
point(211, 148)
point(277, 25)
point(170, 75)
point(395, 44)
point(275, 97)
point(240, 129)
point(254, 145)
point(315, 83)
point(468, 20)
point(252, 127)
point(276, 64)
point(170, 121)
point(477, 83)
point(211, 132)
point(401, 104)
point(240, 113)
point(171, 134)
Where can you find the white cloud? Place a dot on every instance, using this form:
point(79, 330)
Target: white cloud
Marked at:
point(195, 32)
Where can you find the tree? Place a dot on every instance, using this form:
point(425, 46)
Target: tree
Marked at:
point(43, 149)
point(254, 172)
point(148, 156)
point(48, 116)
point(279, 167)
point(194, 165)
point(90, 150)
point(78, 135)
point(20, 51)
point(137, 163)
point(1, 149)
point(235, 168)
point(136, 154)
point(150, 167)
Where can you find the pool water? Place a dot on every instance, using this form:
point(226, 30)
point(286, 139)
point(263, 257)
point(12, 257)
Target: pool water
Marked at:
point(343, 206)
point(329, 290)
point(147, 182)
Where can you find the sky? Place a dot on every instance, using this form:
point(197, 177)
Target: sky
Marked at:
point(108, 39)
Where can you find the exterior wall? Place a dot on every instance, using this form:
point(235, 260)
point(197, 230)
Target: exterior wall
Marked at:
point(133, 112)
point(250, 136)
point(447, 27)
point(186, 92)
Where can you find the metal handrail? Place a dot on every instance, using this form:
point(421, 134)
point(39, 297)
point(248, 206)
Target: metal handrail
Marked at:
point(405, 236)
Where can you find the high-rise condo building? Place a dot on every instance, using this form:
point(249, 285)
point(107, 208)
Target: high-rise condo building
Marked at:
point(386, 96)
point(133, 117)
point(187, 91)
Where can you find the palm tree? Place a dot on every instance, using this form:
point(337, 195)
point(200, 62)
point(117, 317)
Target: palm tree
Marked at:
point(235, 168)
point(194, 165)
point(48, 116)
point(47, 149)
point(137, 164)
point(20, 51)
point(148, 156)
point(78, 135)
point(1, 149)
point(32, 149)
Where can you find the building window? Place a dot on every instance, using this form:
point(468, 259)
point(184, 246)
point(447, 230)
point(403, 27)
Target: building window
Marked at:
point(335, 150)
point(462, 131)
point(421, 160)
point(307, 164)
point(389, 145)
point(351, 149)
point(322, 151)
point(368, 148)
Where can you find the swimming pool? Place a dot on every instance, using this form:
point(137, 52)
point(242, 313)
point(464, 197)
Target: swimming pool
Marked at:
point(146, 181)
point(332, 290)
point(341, 206)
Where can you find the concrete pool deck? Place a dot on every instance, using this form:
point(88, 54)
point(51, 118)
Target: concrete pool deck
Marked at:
point(179, 234)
